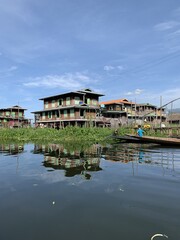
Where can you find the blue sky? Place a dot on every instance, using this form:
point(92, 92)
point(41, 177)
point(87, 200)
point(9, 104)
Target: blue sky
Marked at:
point(121, 48)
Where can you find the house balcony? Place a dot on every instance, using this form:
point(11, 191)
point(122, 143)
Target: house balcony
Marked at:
point(68, 118)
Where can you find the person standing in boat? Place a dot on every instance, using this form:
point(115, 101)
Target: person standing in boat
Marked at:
point(140, 131)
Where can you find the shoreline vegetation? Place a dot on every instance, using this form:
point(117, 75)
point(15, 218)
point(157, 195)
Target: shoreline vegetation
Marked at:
point(68, 134)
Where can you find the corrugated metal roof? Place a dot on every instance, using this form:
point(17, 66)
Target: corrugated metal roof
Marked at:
point(145, 104)
point(61, 94)
point(81, 92)
point(13, 107)
point(117, 101)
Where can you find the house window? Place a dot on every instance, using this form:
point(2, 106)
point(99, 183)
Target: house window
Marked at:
point(7, 113)
point(68, 101)
point(94, 101)
point(13, 114)
point(46, 104)
point(43, 115)
point(65, 114)
point(49, 114)
point(60, 102)
point(53, 103)
point(20, 114)
point(77, 100)
point(71, 112)
point(88, 101)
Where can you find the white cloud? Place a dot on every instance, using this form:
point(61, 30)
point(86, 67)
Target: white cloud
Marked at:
point(12, 68)
point(138, 91)
point(109, 68)
point(66, 81)
point(175, 34)
point(135, 92)
point(8, 70)
point(166, 25)
point(129, 93)
point(156, 98)
point(120, 67)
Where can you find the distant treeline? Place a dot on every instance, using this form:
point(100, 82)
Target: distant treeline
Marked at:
point(175, 110)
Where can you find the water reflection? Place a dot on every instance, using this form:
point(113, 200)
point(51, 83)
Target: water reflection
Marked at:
point(11, 149)
point(84, 162)
point(126, 153)
point(46, 186)
point(143, 154)
point(76, 162)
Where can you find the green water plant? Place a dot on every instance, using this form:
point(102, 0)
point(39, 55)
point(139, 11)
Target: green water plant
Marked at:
point(54, 135)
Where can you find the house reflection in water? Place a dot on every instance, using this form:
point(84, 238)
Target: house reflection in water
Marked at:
point(126, 153)
point(73, 162)
point(11, 149)
point(120, 153)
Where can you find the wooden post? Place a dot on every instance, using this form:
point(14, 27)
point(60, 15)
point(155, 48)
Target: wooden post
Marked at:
point(160, 111)
point(171, 113)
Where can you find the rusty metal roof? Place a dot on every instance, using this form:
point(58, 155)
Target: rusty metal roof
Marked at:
point(117, 101)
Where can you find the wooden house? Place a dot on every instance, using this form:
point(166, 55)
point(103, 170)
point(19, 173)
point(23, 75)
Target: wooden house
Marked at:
point(122, 111)
point(13, 117)
point(173, 118)
point(77, 108)
point(150, 113)
point(117, 111)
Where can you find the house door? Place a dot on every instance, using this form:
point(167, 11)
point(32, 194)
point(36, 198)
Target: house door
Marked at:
point(82, 112)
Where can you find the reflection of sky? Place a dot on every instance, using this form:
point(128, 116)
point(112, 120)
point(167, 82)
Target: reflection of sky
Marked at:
point(29, 166)
point(121, 193)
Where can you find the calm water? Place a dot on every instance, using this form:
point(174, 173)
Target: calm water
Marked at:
point(123, 192)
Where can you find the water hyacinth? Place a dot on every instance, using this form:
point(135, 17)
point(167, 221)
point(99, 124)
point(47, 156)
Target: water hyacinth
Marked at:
point(54, 135)
point(68, 134)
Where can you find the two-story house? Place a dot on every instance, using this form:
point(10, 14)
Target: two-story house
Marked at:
point(122, 111)
point(150, 113)
point(13, 117)
point(117, 112)
point(77, 108)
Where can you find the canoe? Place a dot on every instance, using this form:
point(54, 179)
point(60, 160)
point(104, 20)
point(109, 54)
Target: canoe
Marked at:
point(126, 139)
point(159, 140)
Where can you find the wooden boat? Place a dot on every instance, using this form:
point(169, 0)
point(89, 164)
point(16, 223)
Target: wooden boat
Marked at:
point(158, 140)
point(126, 139)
